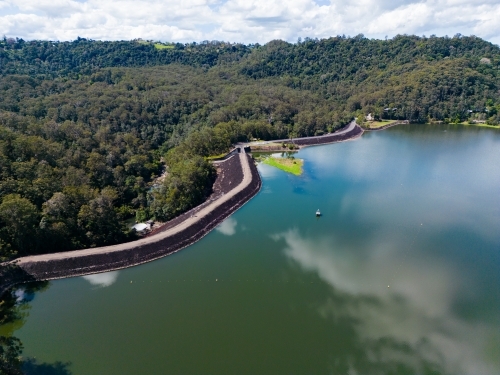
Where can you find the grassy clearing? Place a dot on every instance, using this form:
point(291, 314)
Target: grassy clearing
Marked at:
point(379, 124)
point(163, 46)
point(214, 157)
point(290, 165)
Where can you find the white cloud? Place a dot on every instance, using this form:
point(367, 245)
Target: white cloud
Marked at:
point(245, 21)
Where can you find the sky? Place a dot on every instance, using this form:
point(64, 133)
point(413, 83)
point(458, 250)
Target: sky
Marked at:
point(245, 21)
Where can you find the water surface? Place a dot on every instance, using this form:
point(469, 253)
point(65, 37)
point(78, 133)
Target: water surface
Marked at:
point(400, 275)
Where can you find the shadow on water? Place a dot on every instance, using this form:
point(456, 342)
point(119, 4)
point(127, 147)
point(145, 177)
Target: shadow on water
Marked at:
point(14, 305)
point(32, 367)
point(11, 275)
point(14, 310)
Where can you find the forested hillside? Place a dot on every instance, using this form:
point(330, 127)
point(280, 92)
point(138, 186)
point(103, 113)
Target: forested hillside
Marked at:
point(86, 126)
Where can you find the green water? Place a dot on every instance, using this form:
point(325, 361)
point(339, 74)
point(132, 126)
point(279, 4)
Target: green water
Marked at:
point(400, 275)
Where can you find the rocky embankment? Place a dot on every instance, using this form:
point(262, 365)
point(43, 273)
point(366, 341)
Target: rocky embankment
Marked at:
point(355, 132)
point(237, 183)
point(351, 131)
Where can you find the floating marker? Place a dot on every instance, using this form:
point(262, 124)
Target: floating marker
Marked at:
point(388, 286)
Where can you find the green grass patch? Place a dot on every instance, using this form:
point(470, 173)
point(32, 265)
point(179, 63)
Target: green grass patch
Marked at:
point(290, 165)
point(379, 124)
point(163, 46)
point(213, 157)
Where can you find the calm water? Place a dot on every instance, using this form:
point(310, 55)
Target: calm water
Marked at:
point(401, 275)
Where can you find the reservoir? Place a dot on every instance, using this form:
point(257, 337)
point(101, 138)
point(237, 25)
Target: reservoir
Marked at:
point(400, 274)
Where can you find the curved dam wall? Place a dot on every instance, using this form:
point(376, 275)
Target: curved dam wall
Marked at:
point(332, 138)
point(102, 262)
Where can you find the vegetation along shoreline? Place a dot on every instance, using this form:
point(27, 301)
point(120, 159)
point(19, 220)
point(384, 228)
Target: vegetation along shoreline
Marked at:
point(196, 225)
point(160, 244)
point(230, 184)
point(96, 135)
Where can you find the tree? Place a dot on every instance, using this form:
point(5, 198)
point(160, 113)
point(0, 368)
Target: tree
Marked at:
point(10, 356)
point(80, 117)
point(189, 183)
point(58, 222)
point(19, 222)
point(99, 220)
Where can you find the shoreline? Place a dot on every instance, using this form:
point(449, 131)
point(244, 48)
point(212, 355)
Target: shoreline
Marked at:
point(407, 122)
point(352, 137)
point(197, 223)
point(175, 235)
point(478, 125)
point(178, 233)
point(350, 132)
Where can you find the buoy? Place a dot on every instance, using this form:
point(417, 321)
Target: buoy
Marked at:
point(388, 286)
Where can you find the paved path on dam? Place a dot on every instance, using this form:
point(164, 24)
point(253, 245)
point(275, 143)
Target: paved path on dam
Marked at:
point(155, 238)
point(174, 236)
point(350, 127)
point(313, 140)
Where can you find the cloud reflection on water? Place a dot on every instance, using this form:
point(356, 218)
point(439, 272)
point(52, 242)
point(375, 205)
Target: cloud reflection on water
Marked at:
point(422, 168)
point(102, 279)
point(227, 227)
point(267, 171)
point(413, 321)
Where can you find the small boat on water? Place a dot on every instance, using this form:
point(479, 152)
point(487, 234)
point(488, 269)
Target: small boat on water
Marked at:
point(318, 213)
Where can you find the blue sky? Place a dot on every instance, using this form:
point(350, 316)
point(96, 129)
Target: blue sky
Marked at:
point(246, 21)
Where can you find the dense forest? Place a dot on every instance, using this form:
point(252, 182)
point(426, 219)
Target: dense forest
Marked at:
point(87, 126)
